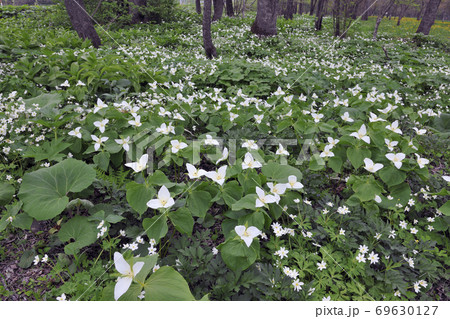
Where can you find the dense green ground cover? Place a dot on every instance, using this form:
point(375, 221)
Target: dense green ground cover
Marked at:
point(336, 162)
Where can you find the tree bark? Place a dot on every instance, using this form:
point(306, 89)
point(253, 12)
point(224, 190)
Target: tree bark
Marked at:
point(289, 12)
point(380, 17)
point(198, 7)
point(210, 49)
point(365, 15)
point(319, 15)
point(137, 17)
point(300, 7)
point(230, 11)
point(428, 17)
point(312, 6)
point(337, 18)
point(218, 9)
point(265, 23)
point(81, 22)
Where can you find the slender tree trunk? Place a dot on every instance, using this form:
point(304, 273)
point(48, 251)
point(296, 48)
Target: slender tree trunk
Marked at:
point(230, 11)
point(300, 7)
point(210, 49)
point(289, 12)
point(380, 17)
point(243, 8)
point(312, 6)
point(265, 23)
point(136, 16)
point(365, 15)
point(218, 9)
point(422, 5)
point(319, 15)
point(337, 18)
point(428, 17)
point(81, 22)
point(198, 7)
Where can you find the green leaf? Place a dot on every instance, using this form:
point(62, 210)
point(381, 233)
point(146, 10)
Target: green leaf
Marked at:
point(166, 284)
point(335, 163)
point(48, 150)
point(279, 172)
point(159, 178)
point(81, 231)
point(357, 156)
point(102, 160)
point(199, 202)
point(44, 192)
point(27, 258)
point(246, 202)
point(6, 193)
point(236, 254)
point(232, 192)
point(47, 104)
point(366, 188)
point(392, 176)
point(138, 196)
point(401, 193)
point(22, 221)
point(155, 227)
point(445, 209)
point(149, 263)
point(182, 220)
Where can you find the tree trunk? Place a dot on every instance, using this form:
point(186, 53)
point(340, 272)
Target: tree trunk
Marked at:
point(300, 7)
point(265, 23)
point(422, 5)
point(312, 6)
point(210, 49)
point(136, 16)
point(243, 8)
point(81, 22)
point(380, 17)
point(289, 12)
point(337, 18)
point(198, 7)
point(218, 9)
point(428, 17)
point(230, 11)
point(319, 15)
point(365, 15)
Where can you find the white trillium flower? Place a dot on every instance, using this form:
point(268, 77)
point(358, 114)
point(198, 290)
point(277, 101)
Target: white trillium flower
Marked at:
point(371, 167)
point(128, 274)
point(375, 118)
point(210, 141)
point(219, 176)
point(277, 190)
point(100, 105)
point(346, 117)
point(394, 127)
point(419, 132)
point(124, 142)
point(136, 122)
point(250, 144)
point(258, 118)
point(422, 161)
point(281, 150)
point(292, 183)
point(396, 158)
point(224, 155)
point(247, 234)
point(317, 117)
point(332, 141)
point(362, 134)
point(263, 199)
point(140, 165)
point(327, 151)
point(177, 145)
point(98, 141)
point(76, 132)
point(446, 178)
point(65, 84)
point(390, 144)
point(249, 162)
point(101, 125)
point(193, 172)
point(163, 201)
point(166, 129)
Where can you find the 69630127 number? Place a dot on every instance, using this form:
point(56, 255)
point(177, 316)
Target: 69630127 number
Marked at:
point(406, 310)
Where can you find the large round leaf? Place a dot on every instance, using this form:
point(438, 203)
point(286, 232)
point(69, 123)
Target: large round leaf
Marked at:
point(81, 231)
point(166, 284)
point(44, 192)
point(6, 193)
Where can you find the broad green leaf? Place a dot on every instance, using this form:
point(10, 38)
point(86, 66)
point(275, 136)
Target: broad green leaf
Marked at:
point(48, 150)
point(44, 192)
point(254, 219)
point(138, 196)
point(335, 163)
point(149, 263)
point(155, 227)
point(81, 231)
point(401, 193)
point(102, 160)
point(357, 156)
point(392, 176)
point(445, 209)
point(166, 284)
point(199, 202)
point(236, 254)
point(27, 258)
point(159, 178)
point(6, 193)
point(279, 172)
point(182, 220)
point(246, 202)
point(366, 188)
point(47, 103)
point(232, 192)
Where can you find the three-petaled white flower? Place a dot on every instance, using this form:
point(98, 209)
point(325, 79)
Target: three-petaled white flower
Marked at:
point(177, 145)
point(396, 158)
point(163, 201)
point(124, 142)
point(249, 162)
point(219, 176)
point(362, 134)
point(101, 125)
point(346, 117)
point(247, 234)
point(250, 144)
point(76, 132)
point(194, 172)
point(422, 161)
point(292, 183)
point(394, 127)
point(139, 165)
point(136, 122)
point(98, 141)
point(166, 129)
point(128, 274)
point(224, 155)
point(100, 105)
point(371, 167)
point(281, 150)
point(327, 151)
point(277, 190)
point(210, 141)
point(263, 199)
